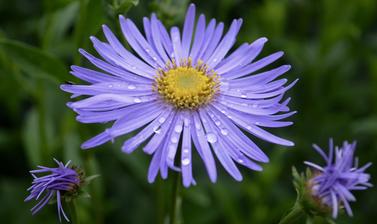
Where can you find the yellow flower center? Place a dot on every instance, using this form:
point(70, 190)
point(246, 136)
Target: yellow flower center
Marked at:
point(186, 86)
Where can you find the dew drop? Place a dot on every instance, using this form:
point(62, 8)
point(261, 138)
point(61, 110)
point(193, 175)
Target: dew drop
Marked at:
point(248, 127)
point(243, 96)
point(147, 50)
point(186, 121)
point(257, 123)
point(154, 58)
point(162, 120)
point(178, 128)
point(131, 87)
point(211, 138)
point(215, 59)
point(185, 150)
point(137, 100)
point(217, 123)
point(157, 130)
point(197, 126)
point(172, 147)
point(185, 161)
point(240, 160)
point(225, 85)
point(224, 132)
point(174, 139)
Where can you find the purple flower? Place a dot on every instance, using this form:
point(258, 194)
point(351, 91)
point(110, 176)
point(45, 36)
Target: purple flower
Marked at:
point(183, 89)
point(333, 183)
point(58, 182)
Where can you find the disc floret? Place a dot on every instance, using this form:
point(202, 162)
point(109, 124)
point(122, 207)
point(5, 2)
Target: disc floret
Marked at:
point(187, 86)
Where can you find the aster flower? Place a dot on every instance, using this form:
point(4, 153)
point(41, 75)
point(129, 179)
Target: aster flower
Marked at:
point(57, 183)
point(183, 89)
point(332, 183)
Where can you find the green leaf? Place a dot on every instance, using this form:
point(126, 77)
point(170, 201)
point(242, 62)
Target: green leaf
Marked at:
point(121, 6)
point(56, 27)
point(31, 138)
point(91, 178)
point(34, 61)
point(91, 17)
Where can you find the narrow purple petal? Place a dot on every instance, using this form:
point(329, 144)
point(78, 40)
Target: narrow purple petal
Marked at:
point(188, 28)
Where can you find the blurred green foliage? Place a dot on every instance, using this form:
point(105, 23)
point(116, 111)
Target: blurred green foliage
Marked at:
point(331, 44)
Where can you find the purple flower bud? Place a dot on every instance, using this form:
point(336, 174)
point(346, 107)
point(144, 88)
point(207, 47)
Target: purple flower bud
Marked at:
point(333, 183)
point(53, 183)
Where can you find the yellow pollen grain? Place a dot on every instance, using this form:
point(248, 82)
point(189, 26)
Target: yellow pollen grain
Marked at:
point(186, 86)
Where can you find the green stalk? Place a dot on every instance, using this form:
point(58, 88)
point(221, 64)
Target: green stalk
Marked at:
point(176, 201)
point(74, 212)
point(42, 122)
point(294, 215)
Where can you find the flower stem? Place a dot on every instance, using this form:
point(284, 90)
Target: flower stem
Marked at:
point(294, 215)
point(176, 201)
point(74, 212)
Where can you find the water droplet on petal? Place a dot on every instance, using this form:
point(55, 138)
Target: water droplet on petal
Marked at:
point(154, 58)
point(240, 160)
point(257, 123)
point(147, 50)
point(178, 128)
point(157, 130)
point(217, 123)
point(243, 96)
point(224, 132)
point(174, 139)
point(197, 126)
point(131, 87)
point(162, 120)
point(137, 100)
point(248, 127)
point(225, 85)
point(186, 121)
point(185, 161)
point(211, 138)
point(185, 150)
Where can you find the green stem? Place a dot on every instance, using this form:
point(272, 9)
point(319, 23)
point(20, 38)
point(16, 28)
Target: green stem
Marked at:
point(176, 201)
point(42, 122)
point(294, 215)
point(160, 202)
point(74, 212)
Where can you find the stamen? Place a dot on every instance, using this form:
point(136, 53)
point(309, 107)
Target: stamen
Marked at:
point(186, 86)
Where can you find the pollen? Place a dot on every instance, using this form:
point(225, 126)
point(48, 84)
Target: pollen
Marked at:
point(186, 86)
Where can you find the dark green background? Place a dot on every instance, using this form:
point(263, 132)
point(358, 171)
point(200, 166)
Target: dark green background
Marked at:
point(331, 45)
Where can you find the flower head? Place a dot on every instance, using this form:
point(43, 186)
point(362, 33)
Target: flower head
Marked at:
point(332, 184)
point(57, 183)
point(183, 89)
